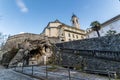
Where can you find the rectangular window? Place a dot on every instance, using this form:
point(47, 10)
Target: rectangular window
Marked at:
point(69, 34)
point(77, 36)
point(69, 39)
point(73, 36)
point(82, 37)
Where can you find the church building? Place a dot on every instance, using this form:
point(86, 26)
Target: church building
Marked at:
point(64, 32)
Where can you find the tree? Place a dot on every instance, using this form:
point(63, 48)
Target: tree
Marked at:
point(111, 32)
point(96, 27)
point(2, 39)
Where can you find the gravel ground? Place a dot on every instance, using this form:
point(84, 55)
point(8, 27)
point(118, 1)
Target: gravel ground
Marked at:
point(8, 74)
point(61, 74)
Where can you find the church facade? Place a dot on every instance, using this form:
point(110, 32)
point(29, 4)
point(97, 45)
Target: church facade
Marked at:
point(64, 32)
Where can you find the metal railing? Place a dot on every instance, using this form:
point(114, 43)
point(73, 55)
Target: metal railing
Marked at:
point(90, 53)
point(30, 71)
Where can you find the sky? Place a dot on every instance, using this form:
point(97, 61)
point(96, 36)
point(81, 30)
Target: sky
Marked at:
point(32, 16)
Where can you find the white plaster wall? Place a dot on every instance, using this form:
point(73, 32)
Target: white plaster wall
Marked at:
point(113, 26)
point(116, 26)
point(54, 32)
point(54, 24)
point(47, 32)
point(66, 36)
point(71, 36)
point(103, 31)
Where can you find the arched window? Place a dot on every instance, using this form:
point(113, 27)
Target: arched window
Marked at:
point(62, 40)
point(73, 21)
point(76, 20)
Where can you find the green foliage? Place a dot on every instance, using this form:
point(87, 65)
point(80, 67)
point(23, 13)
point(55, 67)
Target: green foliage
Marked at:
point(2, 39)
point(51, 60)
point(79, 68)
point(96, 26)
point(52, 68)
point(111, 32)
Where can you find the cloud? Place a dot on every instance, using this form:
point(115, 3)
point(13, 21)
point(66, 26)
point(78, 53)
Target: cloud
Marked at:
point(22, 32)
point(22, 6)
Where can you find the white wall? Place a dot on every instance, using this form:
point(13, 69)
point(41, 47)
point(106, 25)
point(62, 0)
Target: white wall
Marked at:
point(103, 31)
point(54, 24)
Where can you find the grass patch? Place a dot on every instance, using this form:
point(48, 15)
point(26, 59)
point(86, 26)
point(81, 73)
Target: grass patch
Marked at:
point(78, 68)
point(52, 68)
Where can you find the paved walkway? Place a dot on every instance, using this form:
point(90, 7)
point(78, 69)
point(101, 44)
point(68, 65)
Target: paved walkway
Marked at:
point(1, 67)
point(8, 74)
point(61, 74)
point(58, 74)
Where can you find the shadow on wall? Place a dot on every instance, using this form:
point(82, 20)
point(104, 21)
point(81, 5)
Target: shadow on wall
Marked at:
point(106, 43)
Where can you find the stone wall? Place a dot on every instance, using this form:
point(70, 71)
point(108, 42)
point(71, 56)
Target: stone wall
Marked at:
point(107, 43)
point(92, 54)
point(14, 41)
point(90, 60)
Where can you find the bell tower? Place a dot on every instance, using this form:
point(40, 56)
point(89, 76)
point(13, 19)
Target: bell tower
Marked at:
point(75, 21)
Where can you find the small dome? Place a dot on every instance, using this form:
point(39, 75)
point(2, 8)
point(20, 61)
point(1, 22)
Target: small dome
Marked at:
point(56, 20)
point(74, 15)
